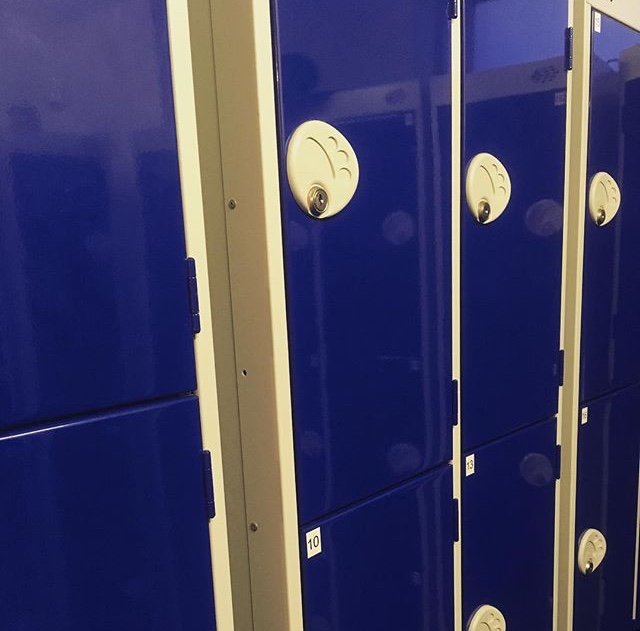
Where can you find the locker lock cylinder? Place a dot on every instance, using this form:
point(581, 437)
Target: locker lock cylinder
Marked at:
point(318, 201)
point(484, 211)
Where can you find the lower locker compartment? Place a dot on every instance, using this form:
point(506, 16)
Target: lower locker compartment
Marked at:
point(605, 591)
point(508, 523)
point(103, 524)
point(384, 564)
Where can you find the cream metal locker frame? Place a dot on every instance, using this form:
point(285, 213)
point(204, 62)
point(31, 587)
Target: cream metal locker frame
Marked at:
point(181, 43)
point(235, 111)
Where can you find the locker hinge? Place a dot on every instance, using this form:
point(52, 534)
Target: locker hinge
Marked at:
point(558, 461)
point(568, 48)
point(207, 473)
point(560, 368)
point(454, 403)
point(194, 303)
point(456, 520)
point(452, 9)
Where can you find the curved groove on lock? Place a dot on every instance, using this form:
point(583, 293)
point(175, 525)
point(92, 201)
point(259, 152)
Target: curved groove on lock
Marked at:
point(487, 618)
point(605, 198)
point(488, 188)
point(592, 549)
point(322, 168)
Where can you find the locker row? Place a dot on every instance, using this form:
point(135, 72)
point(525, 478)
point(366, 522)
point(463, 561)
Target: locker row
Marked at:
point(360, 260)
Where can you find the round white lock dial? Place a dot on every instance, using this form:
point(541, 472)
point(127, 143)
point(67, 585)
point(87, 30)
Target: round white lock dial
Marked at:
point(322, 168)
point(592, 549)
point(487, 618)
point(488, 188)
point(604, 198)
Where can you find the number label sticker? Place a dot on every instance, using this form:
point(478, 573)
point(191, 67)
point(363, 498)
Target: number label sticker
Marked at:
point(597, 22)
point(585, 416)
point(314, 543)
point(470, 465)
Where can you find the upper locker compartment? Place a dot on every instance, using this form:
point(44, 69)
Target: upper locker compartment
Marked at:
point(94, 305)
point(512, 214)
point(366, 215)
point(611, 300)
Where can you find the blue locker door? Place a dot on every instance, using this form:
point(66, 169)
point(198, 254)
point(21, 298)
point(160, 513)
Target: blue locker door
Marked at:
point(103, 524)
point(607, 500)
point(385, 564)
point(514, 108)
point(94, 306)
point(368, 290)
point(508, 519)
point(611, 301)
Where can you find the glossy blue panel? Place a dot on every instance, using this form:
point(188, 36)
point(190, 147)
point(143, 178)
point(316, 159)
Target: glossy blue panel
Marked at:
point(93, 297)
point(611, 300)
point(368, 290)
point(508, 517)
point(607, 499)
point(514, 97)
point(385, 564)
point(103, 524)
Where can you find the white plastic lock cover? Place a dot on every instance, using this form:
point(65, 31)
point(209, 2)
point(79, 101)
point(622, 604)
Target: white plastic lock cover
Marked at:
point(319, 156)
point(488, 183)
point(592, 549)
point(604, 198)
point(487, 618)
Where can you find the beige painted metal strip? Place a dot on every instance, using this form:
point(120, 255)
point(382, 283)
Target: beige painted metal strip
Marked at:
point(573, 263)
point(180, 44)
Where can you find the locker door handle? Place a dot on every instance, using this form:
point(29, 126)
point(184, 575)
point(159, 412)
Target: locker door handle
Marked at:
point(322, 168)
point(604, 198)
point(592, 548)
point(488, 188)
point(487, 618)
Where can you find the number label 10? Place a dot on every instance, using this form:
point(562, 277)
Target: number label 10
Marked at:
point(314, 543)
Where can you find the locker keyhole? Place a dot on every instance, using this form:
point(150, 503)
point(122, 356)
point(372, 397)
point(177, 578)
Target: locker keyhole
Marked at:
point(484, 212)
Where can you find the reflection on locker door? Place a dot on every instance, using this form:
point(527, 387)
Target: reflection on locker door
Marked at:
point(93, 297)
point(607, 501)
point(508, 521)
point(385, 564)
point(611, 302)
point(368, 288)
point(104, 526)
point(515, 95)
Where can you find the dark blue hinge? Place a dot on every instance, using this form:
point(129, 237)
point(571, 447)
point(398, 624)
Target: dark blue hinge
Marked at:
point(568, 48)
point(194, 303)
point(456, 520)
point(452, 9)
point(207, 471)
point(558, 461)
point(560, 368)
point(454, 402)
